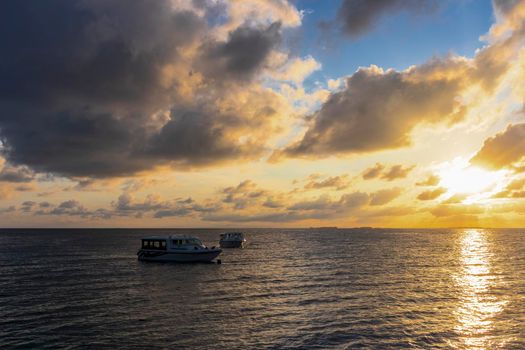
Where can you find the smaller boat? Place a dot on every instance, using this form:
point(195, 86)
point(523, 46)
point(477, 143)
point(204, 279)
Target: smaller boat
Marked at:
point(232, 240)
point(177, 248)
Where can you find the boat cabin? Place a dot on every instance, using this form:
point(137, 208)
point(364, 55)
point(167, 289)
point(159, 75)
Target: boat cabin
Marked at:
point(173, 242)
point(232, 235)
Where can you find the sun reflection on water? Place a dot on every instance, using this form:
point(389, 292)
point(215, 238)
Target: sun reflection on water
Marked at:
point(478, 306)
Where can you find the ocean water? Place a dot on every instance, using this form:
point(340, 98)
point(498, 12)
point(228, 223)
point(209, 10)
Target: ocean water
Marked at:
point(288, 289)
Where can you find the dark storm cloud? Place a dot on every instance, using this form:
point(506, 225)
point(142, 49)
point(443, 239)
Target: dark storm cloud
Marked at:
point(243, 54)
point(103, 51)
point(356, 17)
point(80, 79)
point(72, 142)
point(503, 149)
point(197, 136)
point(100, 88)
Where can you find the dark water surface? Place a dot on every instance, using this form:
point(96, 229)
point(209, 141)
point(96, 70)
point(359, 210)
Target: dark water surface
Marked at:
point(288, 289)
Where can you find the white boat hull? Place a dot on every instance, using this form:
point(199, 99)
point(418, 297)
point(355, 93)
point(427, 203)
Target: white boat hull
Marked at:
point(170, 256)
point(231, 244)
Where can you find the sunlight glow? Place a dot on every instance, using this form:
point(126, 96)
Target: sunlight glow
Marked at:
point(459, 177)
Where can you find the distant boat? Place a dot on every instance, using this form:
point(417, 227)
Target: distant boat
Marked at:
point(232, 240)
point(177, 248)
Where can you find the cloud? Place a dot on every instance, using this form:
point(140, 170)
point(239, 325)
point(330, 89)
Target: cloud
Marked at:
point(504, 7)
point(503, 149)
point(71, 208)
point(373, 172)
point(272, 202)
point(27, 206)
point(272, 217)
point(242, 55)
point(9, 209)
point(243, 195)
point(456, 198)
point(25, 188)
point(379, 109)
point(516, 184)
point(515, 189)
point(16, 174)
point(322, 203)
point(431, 180)
point(356, 17)
point(431, 194)
point(66, 208)
point(260, 11)
point(126, 203)
point(322, 207)
point(337, 182)
point(189, 209)
point(297, 69)
point(509, 15)
point(444, 210)
point(395, 172)
point(112, 88)
point(385, 196)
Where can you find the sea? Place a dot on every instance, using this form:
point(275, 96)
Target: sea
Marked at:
point(315, 288)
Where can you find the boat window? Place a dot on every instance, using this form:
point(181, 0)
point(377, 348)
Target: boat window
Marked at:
point(156, 244)
point(195, 241)
point(163, 244)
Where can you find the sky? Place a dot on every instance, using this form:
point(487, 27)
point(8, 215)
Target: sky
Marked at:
point(262, 113)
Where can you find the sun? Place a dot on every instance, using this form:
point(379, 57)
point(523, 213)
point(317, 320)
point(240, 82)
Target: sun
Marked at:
point(459, 177)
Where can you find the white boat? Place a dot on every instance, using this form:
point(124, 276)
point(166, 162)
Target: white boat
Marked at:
point(232, 240)
point(177, 248)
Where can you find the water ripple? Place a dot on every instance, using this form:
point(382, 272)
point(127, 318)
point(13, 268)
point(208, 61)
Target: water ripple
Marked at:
point(288, 289)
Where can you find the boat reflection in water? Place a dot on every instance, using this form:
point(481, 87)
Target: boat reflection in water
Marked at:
point(478, 304)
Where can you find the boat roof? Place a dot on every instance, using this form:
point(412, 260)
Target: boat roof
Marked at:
point(171, 237)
